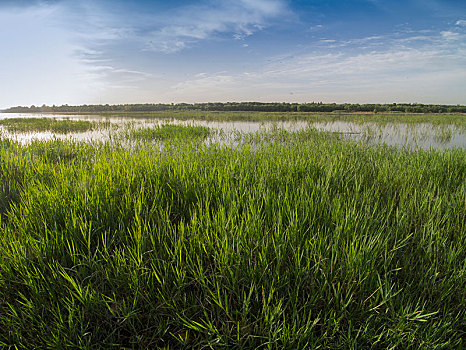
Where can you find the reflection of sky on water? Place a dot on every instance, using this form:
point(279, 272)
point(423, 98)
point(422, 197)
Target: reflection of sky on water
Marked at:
point(394, 134)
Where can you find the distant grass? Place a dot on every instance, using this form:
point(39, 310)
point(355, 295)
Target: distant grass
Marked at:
point(301, 240)
point(434, 118)
point(168, 132)
point(49, 124)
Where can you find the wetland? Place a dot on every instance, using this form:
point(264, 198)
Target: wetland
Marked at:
point(196, 232)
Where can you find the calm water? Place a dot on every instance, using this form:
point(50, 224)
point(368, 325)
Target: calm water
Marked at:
point(418, 135)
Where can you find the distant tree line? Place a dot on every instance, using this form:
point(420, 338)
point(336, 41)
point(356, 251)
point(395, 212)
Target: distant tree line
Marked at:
point(245, 107)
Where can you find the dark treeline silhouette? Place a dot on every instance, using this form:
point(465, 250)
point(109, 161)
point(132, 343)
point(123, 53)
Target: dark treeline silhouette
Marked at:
point(245, 107)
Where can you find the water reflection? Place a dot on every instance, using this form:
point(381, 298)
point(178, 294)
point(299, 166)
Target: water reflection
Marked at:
point(394, 134)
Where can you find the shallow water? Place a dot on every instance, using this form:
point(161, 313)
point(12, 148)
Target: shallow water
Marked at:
point(425, 136)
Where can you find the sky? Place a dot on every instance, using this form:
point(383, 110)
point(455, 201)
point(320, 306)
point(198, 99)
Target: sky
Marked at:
point(115, 51)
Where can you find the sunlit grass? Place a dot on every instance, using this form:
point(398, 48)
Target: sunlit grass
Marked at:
point(286, 240)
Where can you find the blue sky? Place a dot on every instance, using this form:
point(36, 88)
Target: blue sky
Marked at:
point(102, 51)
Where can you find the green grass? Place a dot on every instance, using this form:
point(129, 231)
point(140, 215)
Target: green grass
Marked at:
point(457, 119)
point(167, 132)
point(48, 124)
point(443, 134)
point(302, 240)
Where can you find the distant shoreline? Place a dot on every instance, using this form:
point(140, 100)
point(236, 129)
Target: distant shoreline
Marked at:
point(313, 107)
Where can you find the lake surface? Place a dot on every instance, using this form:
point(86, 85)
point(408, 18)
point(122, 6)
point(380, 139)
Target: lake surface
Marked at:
point(425, 136)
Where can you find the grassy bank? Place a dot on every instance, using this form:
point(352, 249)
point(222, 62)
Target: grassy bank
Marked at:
point(300, 241)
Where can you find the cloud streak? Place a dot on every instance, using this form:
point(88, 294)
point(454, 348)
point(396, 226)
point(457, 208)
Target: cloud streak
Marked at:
point(191, 24)
point(173, 30)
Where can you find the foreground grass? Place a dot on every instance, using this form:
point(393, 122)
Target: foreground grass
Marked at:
point(303, 241)
point(49, 124)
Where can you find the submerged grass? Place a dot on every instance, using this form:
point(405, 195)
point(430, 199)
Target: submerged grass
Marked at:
point(49, 124)
point(443, 134)
point(304, 240)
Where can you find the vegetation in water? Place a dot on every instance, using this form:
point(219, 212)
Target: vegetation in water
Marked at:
point(297, 240)
point(49, 124)
point(444, 134)
point(458, 120)
point(167, 132)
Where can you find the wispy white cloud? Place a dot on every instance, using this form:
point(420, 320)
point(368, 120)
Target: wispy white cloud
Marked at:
point(119, 76)
point(449, 35)
point(104, 32)
point(190, 24)
point(443, 52)
point(169, 31)
point(316, 27)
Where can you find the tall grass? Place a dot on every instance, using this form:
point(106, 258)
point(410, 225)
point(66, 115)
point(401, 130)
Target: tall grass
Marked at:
point(303, 240)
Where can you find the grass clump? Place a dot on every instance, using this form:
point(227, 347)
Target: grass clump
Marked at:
point(302, 241)
point(168, 132)
point(49, 124)
point(443, 134)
